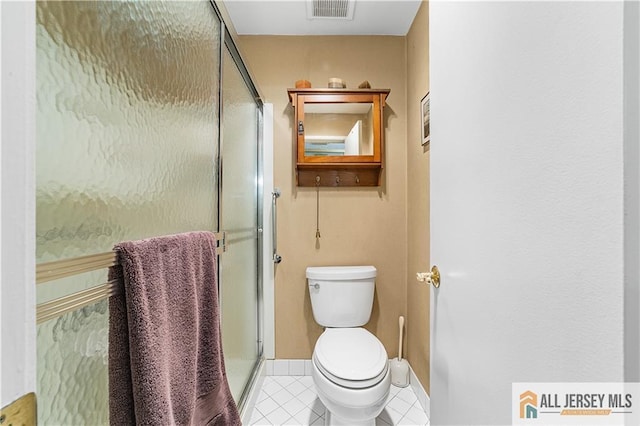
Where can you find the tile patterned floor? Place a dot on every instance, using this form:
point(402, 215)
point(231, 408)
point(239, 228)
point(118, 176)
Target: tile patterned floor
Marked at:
point(292, 400)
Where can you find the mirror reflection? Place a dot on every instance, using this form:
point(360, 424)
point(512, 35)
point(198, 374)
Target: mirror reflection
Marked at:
point(338, 129)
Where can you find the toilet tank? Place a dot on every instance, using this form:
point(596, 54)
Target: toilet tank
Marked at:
point(341, 296)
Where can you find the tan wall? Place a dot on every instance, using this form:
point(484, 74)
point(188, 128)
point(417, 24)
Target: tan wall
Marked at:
point(358, 226)
point(418, 198)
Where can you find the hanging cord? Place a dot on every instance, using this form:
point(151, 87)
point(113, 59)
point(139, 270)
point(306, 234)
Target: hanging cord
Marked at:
point(317, 207)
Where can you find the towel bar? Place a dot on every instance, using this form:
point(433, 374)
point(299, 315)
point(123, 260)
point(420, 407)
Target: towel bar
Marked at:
point(58, 269)
point(75, 301)
point(78, 265)
point(274, 223)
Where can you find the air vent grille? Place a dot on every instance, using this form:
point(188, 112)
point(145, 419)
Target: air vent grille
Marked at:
point(330, 9)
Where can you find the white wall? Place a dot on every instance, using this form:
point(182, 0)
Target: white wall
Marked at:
point(268, 267)
point(18, 374)
point(529, 95)
point(632, 189)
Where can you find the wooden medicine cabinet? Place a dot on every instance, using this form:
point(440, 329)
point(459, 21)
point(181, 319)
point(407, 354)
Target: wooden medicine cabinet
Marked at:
point(339, 136)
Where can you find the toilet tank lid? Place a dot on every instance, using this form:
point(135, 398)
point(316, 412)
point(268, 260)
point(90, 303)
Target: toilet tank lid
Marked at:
point(335, 273)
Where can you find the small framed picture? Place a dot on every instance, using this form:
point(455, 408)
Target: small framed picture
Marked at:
point(424, 107)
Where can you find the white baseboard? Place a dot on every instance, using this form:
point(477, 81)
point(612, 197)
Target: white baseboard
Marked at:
point(418, 389)
point(288, 367)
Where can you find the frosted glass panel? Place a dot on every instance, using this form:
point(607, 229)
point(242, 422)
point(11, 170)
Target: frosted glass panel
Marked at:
point(239, 219)
point(126, 123)
point(127, 134)
point(72, 368)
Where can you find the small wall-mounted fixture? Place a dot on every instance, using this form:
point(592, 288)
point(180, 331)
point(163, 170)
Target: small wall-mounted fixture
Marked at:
point(432, 277)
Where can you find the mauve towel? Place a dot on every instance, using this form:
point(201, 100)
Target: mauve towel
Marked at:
point(165, 352)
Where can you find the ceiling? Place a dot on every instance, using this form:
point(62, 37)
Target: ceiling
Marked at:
point(289, 17)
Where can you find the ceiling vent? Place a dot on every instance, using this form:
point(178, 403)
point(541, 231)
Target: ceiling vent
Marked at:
point(330, 9)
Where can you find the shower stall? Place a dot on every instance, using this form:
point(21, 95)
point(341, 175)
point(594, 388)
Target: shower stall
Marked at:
point(147, 124)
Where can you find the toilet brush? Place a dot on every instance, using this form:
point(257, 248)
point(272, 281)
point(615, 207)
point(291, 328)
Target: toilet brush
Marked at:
point(400, 367)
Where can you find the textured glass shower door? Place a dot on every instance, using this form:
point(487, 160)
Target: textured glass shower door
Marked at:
point(240, 279)
point(129, 107)
point(126, 143)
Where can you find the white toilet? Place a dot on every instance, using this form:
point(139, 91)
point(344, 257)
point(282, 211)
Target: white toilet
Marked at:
point(350, 365)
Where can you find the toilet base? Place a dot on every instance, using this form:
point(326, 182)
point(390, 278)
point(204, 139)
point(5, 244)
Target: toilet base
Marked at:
point(332, 420)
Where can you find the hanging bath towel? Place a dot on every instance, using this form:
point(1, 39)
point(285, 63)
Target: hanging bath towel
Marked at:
point(165, 352)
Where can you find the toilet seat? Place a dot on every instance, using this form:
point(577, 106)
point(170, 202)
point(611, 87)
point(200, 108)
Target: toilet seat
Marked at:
point(351, 357)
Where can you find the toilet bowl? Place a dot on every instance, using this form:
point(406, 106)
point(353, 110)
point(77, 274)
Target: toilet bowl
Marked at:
point(350, 367)
point(351, 373)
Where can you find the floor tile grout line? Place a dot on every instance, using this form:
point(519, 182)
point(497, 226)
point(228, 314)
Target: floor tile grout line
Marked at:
point(265, 414)
point(412, 420)
point(300, 410)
